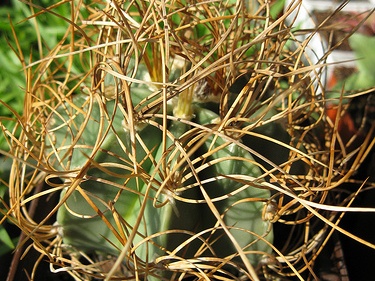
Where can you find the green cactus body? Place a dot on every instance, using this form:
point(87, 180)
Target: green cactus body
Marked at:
point(240, 205)
point(181, 217)
point(100, 212)
point(110, 181)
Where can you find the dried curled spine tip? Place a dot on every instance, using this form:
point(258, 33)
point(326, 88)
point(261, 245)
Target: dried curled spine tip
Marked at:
point(138, 126)
point(217, 120)
point(58, 229)
point(270, 211)
point(203, 92)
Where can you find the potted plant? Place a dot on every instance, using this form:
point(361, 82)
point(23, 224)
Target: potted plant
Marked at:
point(177, 141)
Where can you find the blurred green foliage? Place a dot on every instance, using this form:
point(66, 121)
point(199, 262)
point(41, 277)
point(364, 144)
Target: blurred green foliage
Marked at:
point(51, 29)
point(16, 26)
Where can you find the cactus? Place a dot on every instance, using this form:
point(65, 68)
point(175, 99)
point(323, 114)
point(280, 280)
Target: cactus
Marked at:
point(194, 128)
point(101, 206)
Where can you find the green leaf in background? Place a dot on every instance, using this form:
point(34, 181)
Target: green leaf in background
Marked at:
point(363, 47)
point(7, 242)
point(364, 77)
point(276, 8)
point(51, 30)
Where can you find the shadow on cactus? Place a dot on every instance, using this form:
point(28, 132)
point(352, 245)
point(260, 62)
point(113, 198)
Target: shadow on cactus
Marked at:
point(194, 131)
